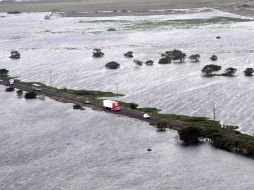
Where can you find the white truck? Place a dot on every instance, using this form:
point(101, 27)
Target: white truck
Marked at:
point(112, 105)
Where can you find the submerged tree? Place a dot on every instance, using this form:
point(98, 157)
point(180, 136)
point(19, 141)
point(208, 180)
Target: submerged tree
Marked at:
point(165, 60)
point(149, 62)
point(249, 72)
point(97, 53)
point(138, 62)
point(30, 95)
point(189, 135)
point(129, 54)
point(112, 65)
point(229, 72)
point(214, 58)
point(209, 69)
point(174, 55)
point(194, 57)
point(4, 72)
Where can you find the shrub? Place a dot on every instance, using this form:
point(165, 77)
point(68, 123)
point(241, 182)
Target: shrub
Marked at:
point(149, 62)
point(138, 62)
point(229, 72)
point(30, 95)
point(97, 53)
point(129, 54)
point(161, 126)
point(112, 65)
point(208, 69)
point(249, 72)
point(189, 135)
point(9, 89)
point(194, 57)
point(214, 58)
point(165, 60)
point(77, 107)
point(133, 106)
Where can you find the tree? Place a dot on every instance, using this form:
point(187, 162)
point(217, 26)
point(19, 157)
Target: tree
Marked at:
point(97, 53)
point(30, 95)
point(165, 60)
point(112, 65)
point(214, 58)
point(149, 62)
point(161, 126)
point(138, 62)
point(129, 54)
point(189, 135)
point(229, 72)
point(133, 106)
point(4, 72)
point(209, 69)
point(175, 55)
point(249, 72)
point(15, 55)
point(194, 57)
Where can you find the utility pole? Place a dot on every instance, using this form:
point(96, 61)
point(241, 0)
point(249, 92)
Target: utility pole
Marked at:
point(50, 78)
point(117, 90)
point(214, 112)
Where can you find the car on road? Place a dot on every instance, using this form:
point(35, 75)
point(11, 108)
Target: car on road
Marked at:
point(36, 89)
point(87, 102)
point(146, 116)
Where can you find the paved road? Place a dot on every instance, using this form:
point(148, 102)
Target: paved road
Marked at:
point(95, 104)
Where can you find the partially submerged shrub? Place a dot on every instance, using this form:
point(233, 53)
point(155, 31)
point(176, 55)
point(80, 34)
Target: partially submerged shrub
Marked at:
point(214, 58)
point(9, 89)
point(111, 30)
point(165, 60)
point(129, 54)
point(133, 106)
point(4, 72)
point(97, 53)
point(189, 135)
point(112, 65)
point(77, 107)
point(149, 62)
point(229, 72)
point(175, 55)
point(209, 69)
point(30, 95)
point(248, 72)
point(19, 92)
point(138, 62)
point(194, 57)
point(161, 126)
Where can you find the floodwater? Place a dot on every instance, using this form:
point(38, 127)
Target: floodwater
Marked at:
point(64, 46)
point(49, 146)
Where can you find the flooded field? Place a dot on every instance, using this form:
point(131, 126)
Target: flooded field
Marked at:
point(64, 46)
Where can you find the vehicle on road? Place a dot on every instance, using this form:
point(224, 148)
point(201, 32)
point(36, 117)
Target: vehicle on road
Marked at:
point(11, 81)
point(36, 88)
point(112, 105)
point(146, 116)
point(87, 102)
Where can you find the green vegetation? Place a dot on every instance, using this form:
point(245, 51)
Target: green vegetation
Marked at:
point(161, 126)
point(30, 95)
